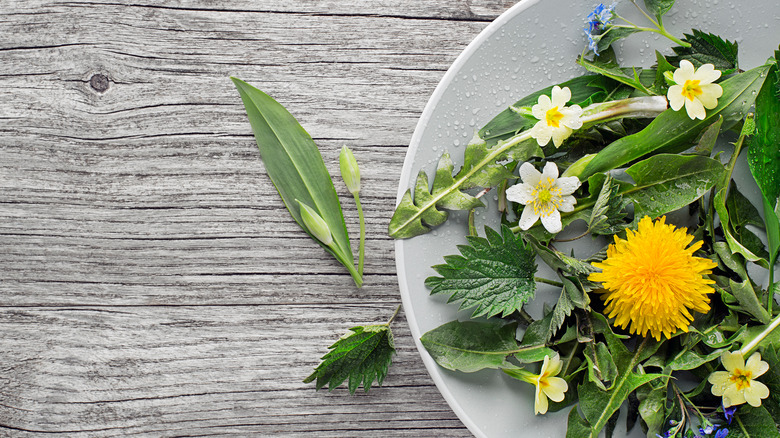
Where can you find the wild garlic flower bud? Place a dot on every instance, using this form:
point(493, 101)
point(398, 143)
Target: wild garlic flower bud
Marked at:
point(316, 224)
point(349, 170)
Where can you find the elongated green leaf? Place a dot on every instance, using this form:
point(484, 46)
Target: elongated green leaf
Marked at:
point(615, 34)
point(667, 182)
point(494, 274)
point(688, 360)
point(734, 244)
point(673, 131)
point(363, 355)
point(613, 71)
point(748, 301)
point(470, 346)
point(295, 167)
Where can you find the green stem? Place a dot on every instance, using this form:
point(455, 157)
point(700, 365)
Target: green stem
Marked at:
point(747, 348)
point(394, 315)
point(546, 281)
point(362, 247)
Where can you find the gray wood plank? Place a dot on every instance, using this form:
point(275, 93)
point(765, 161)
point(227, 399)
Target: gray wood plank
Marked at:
point(152, 282)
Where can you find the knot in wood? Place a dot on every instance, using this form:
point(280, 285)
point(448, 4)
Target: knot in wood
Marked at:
point(99, 82)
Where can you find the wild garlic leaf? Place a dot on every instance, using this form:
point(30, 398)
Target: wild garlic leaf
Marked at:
point(607, 216)
point(471, 346)
point(707, 48)
point(494, 275)
point(363, 356)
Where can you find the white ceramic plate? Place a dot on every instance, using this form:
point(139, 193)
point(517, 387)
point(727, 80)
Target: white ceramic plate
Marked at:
point(532, 45)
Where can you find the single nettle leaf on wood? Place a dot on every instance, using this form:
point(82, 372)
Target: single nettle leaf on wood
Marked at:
point(494, 275)
point(471, 346)
point(707, 48)
point(363, 356)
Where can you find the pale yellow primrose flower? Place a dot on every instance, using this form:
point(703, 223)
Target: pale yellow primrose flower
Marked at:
point(544, 196)
point(556, 120)
point(737, 384)
point(694, 89)
point(548, 386)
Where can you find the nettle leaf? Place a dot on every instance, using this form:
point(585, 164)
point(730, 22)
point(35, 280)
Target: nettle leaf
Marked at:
point(673, 131)
point(667, 182)
point(415, 216)
point(494, 274)
point(607, 216)
point(659, 7)
point(707, 48)
point(363, 355)
point(471, 346)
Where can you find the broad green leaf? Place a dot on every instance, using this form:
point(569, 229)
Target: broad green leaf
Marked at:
point(652, 406)
point(731, 259)
point(577, 427)
point(764, 155)
point(748, 301)
point(471, 346)
point(607, 216)
point(601, 366)
point(661, 85)
point(688, 360)
point(614, 34)
point(363, 355)
point(772, 339)
point(296, 168)
point(771, 379)
point(494, 274)
point(613, 71)
point(707, 48)
point(750, 422)
point(673, 131)
point(667, 182)
point(708, 138)
point(659, 7)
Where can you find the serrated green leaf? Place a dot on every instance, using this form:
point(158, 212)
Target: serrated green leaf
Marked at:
point(577, 427)
point(363, 356)
point(494, 275)
point(471, 346)
point(659, 7)
point(688, 360)
point(707, 48)
point(752, 422)
point(607, 216)
point(296, 168)
point(673, 131)
point(667, 182)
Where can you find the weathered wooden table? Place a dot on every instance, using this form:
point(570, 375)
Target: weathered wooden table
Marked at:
point(151, 281)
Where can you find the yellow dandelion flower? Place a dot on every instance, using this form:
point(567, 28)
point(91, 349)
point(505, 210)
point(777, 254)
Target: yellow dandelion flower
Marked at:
point(652, 281)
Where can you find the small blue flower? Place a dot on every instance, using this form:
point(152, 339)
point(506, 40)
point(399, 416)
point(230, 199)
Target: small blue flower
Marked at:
point(728, 413)
point(598, 21)
point(723, 433)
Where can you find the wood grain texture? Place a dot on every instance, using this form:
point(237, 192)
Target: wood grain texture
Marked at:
point(152, 283)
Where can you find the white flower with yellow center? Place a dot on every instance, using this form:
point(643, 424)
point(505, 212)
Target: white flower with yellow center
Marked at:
point(694, 89)
point(556, 120)
point(737, 384)
point(544, 196)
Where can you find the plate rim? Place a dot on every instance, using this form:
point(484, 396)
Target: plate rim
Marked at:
point(406, 172)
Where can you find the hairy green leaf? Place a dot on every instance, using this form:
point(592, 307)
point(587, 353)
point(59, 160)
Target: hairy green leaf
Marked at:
point(296, 168)
point(667, 182)
point(494, 274)
point(750, 422)
point(363, 355)
point(659, 7)
point(673, 131)
point(707, 48)
point(471, 346)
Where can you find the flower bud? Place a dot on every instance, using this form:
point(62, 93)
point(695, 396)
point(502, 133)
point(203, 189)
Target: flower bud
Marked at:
point(315, 224)
point(349, 170)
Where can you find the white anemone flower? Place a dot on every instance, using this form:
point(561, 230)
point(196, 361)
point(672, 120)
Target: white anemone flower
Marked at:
point(556, 120)
point(544, 196)
point(694, 89)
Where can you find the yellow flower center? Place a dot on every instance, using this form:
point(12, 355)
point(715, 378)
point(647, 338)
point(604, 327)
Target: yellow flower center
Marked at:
point(691, 89)
point(553, 117)
point(547, 197)
point(741, 378)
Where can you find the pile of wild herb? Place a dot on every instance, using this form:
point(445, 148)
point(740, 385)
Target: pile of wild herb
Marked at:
point(618, 150)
